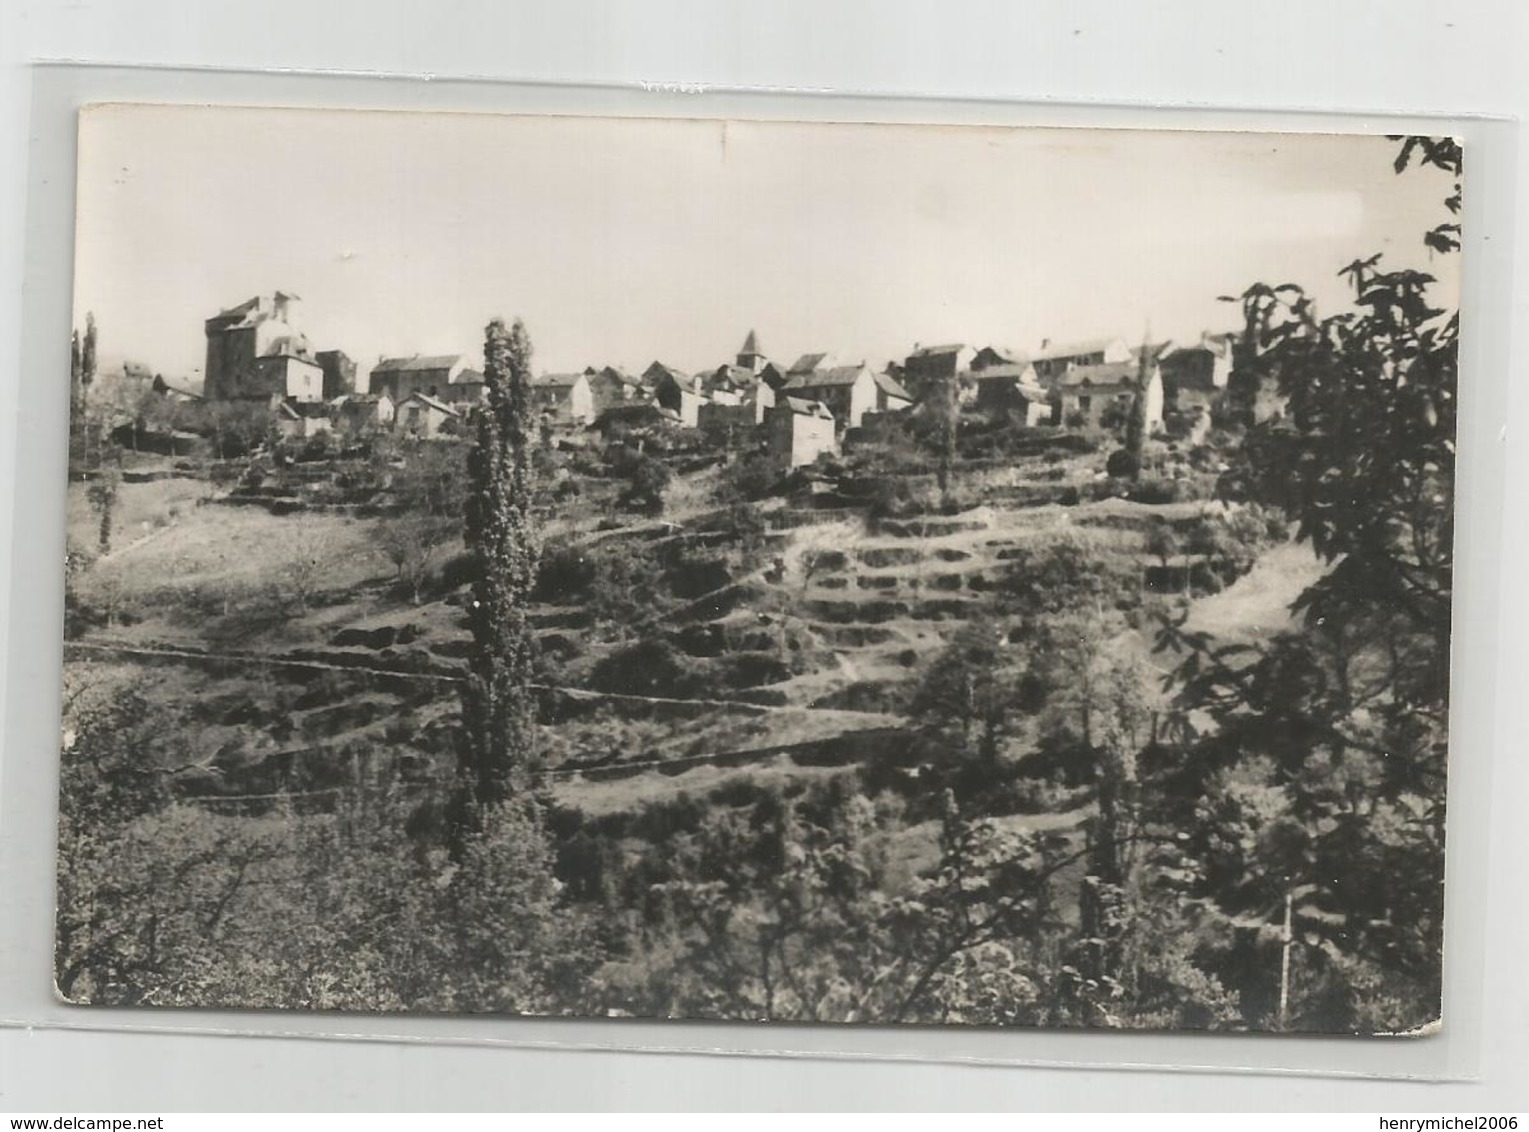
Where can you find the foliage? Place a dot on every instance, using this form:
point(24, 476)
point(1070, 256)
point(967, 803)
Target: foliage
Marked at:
point(972, 691)
point(498, 738)
point(411, 543)
point(1062, 572)
point(647, 479)
point(1323, 777)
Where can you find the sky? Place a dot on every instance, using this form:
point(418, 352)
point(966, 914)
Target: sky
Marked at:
point(622, 241)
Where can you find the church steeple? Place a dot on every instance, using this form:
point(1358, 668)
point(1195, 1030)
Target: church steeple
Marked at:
point(749, 357)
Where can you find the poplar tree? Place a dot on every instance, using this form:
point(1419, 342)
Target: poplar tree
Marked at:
point(497, 749)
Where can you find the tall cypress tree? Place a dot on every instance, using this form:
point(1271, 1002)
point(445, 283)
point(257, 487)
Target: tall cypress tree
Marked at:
point(497, 750)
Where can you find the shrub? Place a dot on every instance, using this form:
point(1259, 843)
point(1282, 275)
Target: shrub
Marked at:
point(651, 668)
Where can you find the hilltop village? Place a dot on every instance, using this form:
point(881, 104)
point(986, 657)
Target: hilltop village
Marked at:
point(796, 411)
point(883, 594)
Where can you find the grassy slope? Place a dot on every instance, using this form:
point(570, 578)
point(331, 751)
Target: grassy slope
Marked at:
point(186, 558)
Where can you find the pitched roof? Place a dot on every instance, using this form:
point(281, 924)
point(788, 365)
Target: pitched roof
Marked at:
point(808, 363)
point(934, 351)
point(886, 384)
point(1104, 374)
point(808, 408)
point(833, 375)
point(417, 363)
point(1073, 349)
point(296, 410)
point(1010, 371)
point(243, 308)
point(1006, 354)
point(557, 380)
point(750, 344)
point(432, 402)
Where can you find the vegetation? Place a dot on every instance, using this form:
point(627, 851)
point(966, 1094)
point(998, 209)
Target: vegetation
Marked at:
point(907, 770)
point(498, 713)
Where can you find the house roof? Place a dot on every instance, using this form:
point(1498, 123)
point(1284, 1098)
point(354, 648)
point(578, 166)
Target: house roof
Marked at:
point(1110, 374)
point(809, 363)
point(432, 402)
point(557, 380)
point(243, 308)
point(417, 363)
point(807, 407)
point(660, 370)
point(252, 307)
point(1008, 371)
point(296, 410)
point(1006, 355)
point(936, 351)
point(889, 386)
point(1074, 349)
point(830, 376)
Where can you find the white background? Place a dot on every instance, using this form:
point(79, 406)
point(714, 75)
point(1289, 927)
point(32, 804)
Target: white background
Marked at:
point(1465, 57)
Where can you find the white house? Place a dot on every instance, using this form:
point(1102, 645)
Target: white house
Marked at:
point(799, 431)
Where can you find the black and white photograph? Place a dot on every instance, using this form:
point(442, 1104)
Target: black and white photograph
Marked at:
point(751, 570)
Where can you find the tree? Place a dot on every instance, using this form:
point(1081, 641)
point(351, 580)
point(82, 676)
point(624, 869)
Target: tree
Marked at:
point(1060, 573)
point(647, 480)
point(410, 542)
point(945, 417)
point(88, 356)
point(102, 492)
point(972, 690)
point(1322, 777)
point(498, 741)
point(1163, 545)
point(309, 546)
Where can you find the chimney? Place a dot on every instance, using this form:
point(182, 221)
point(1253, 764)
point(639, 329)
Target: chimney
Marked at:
point(1045, 342)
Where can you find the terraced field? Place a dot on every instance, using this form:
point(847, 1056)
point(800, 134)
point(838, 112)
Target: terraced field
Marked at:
point(357, 682)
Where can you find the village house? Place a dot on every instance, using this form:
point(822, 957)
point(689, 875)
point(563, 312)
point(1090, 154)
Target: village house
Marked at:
point(420, 373)
point(563, 399)
point(676, 391)
point(1011, 387)
point(638, 416)
point(424, 417)
point(254, 353)
point(339, 373)
point(299, 420)
point(1101, 395)
point(1054, 359)
point(1195, 377)
point(849, 391)
point(799, 430)
point(357, 414)
point(927, 366)
point(610, 386)
point(467, 390)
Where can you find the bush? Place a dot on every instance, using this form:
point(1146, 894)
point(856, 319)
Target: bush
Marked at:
point(565, 573)
point(652, 668)
point(647, 480)
point(1155, 491)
